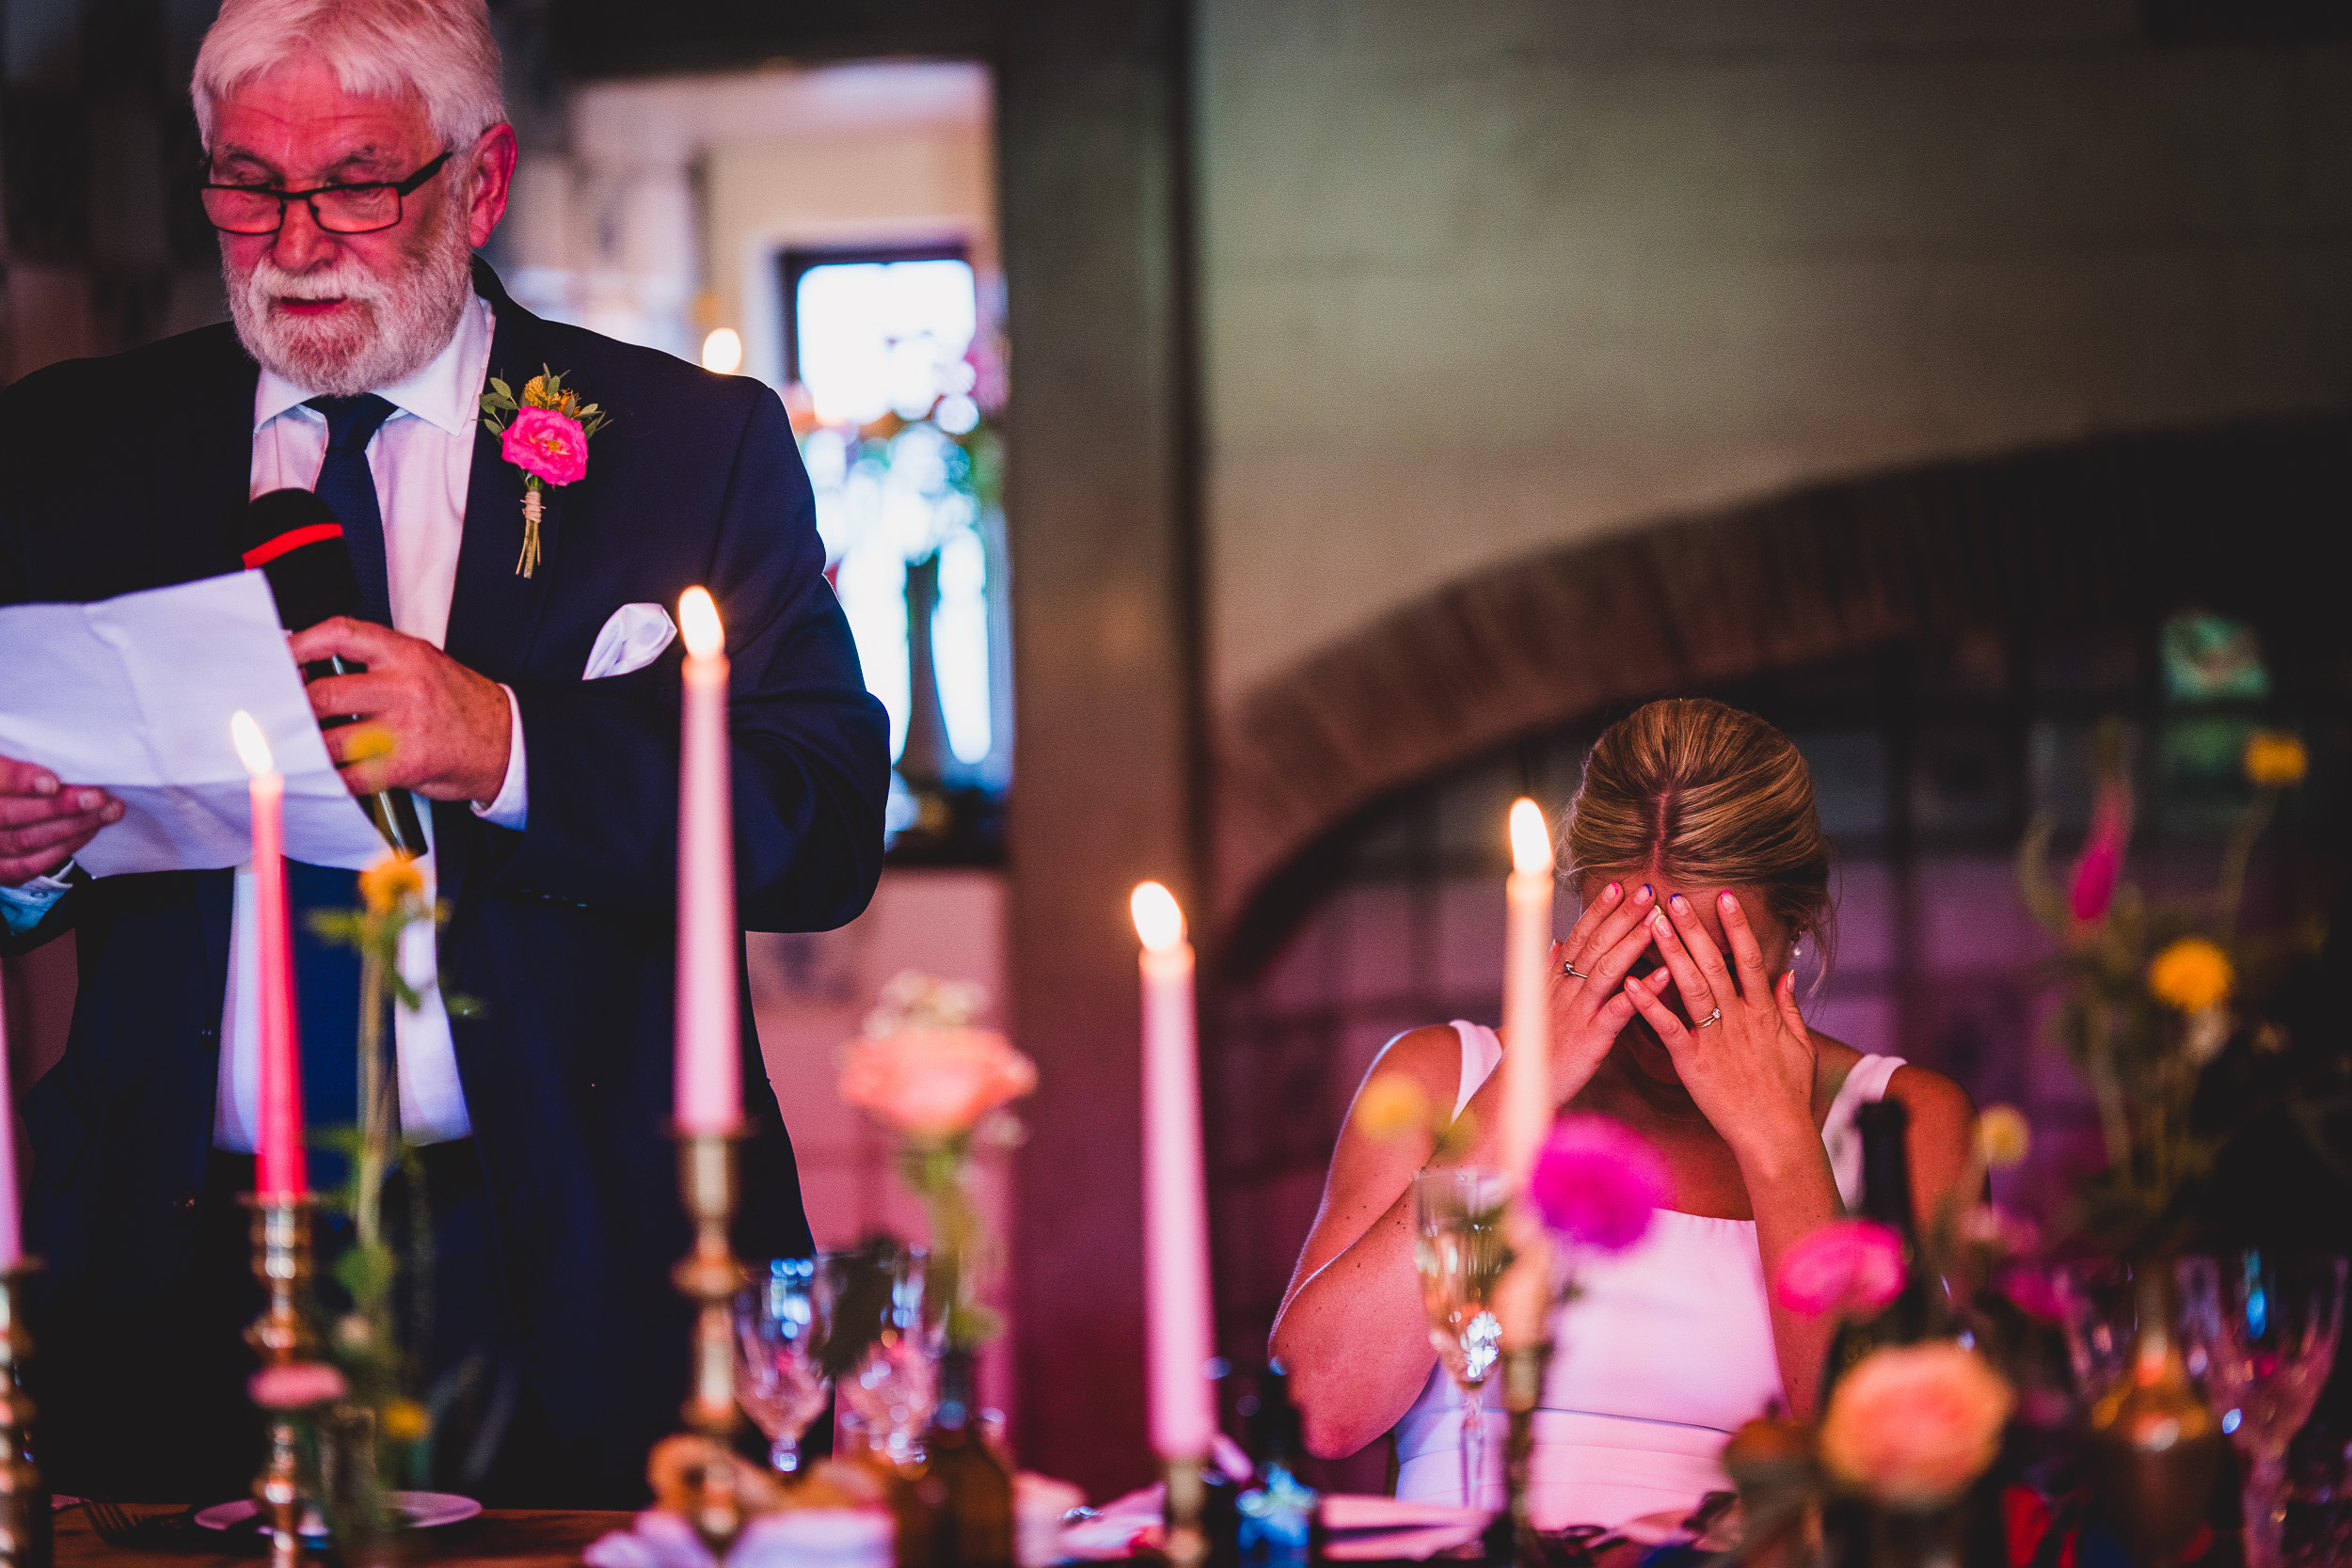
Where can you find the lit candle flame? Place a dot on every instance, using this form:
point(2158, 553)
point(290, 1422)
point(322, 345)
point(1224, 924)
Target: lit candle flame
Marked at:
point(1530, 840)
point(698, 623)
point(252, 747)
point(1158, 921)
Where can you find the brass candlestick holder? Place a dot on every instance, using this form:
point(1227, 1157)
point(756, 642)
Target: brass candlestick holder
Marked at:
point(282, 1336)
point(1512, 1538)
point(711, 1277)
point(1187, 1539)
point(24, 1522)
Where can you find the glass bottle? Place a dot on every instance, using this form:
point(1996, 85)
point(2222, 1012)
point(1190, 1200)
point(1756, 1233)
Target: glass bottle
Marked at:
point(966, 1487)
point(1920, 1311)
point(1278, 1512)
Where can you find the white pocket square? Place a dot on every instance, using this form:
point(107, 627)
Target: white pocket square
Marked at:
point(633, 639)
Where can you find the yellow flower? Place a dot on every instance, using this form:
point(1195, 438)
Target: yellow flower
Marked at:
point(1391, 1104)
point(2275, 759)
point(406, 1421)
point(2192, 975)
point(391, 883)
point(2003, 1136)
point(535, 393)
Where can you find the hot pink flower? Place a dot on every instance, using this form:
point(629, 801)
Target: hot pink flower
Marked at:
point(1598, 1182)
point(297, 1386)
point(1847, 1266)
point(545, 442)
point(2101, 866)
point(1913, 1425)
point(2033, 1291)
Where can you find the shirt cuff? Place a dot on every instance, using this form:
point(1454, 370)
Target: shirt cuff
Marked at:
point(23, 908)
point(511, 806)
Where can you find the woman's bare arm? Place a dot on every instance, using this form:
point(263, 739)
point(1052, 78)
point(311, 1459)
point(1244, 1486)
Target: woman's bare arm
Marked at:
point(1352, 1329)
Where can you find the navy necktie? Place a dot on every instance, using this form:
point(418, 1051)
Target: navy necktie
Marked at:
point(327, 975)
point(348, 485)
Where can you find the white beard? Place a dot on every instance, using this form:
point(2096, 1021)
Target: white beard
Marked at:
point(403, 319)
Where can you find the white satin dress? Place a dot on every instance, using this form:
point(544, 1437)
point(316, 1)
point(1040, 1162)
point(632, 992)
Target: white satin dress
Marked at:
point(1666, 1350)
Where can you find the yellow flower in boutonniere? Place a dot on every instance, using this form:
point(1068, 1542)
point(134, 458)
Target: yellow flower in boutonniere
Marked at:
point(545, 434)
point(2192, 975)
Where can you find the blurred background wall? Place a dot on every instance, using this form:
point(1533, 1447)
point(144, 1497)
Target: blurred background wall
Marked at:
point(1396, 392)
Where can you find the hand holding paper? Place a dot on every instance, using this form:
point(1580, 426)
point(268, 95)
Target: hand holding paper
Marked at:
point(43, 820)
point(133, 695)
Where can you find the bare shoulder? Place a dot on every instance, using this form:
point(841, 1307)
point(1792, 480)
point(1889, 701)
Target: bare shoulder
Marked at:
point(1431, 1056)
point(1932, 1100)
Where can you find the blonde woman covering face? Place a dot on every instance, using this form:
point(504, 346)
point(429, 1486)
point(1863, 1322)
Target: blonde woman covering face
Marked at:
point(1696, 848)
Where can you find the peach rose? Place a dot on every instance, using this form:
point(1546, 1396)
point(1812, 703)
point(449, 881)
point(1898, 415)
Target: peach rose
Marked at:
point(1911, 1425)
point(934, 1082)
point(545, 442)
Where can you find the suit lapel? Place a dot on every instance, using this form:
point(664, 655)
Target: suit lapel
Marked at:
point(204, 470)
point(494, 612)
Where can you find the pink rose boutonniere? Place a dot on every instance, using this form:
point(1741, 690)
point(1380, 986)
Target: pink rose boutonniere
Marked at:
point(545, 434)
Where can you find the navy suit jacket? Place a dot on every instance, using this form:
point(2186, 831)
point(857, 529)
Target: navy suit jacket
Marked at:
point(133, 472)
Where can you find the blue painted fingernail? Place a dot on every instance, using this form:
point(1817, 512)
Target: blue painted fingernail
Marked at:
point(1644, 895)
point(1681, 907)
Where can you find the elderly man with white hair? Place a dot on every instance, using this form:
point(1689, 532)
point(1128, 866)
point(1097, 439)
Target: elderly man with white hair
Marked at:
point(525, 675)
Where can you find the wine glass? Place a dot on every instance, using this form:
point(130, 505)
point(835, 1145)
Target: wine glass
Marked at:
point(2267, 1324)
point(1459, 1248)
point(891, 1382)
point(781, 1324)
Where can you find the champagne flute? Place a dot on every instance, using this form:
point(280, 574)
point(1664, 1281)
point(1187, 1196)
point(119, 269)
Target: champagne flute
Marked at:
point(891, 1385)
point(1459, 1249)
point(2266, 1325)
point(781, 1325)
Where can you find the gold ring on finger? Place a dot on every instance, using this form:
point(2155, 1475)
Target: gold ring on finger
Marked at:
point(1716, 1017)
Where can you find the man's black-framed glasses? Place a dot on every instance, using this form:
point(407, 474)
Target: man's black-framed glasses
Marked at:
point(360, 209)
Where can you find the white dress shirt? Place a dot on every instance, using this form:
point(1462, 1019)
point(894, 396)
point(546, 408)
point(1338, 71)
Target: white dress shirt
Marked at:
point(422, 461)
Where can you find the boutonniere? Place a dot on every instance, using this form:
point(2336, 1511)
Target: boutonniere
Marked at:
point(545, 434)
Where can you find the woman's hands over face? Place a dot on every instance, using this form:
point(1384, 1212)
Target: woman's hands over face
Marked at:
point(1588, 1012)
point(1751, 1071)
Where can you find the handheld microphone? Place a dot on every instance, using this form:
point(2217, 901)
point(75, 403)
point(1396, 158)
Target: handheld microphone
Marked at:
point(293, 538)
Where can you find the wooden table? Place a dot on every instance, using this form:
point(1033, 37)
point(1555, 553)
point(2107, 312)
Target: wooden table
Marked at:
point(507, 1537)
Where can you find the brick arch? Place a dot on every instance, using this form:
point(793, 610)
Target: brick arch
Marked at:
point(2120, 528)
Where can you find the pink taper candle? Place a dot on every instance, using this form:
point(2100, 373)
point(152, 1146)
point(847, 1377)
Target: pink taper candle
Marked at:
point(11, 1228)
point(1175, 1204)
point(1526, 989)
point(1527, 1106)
point(278, 1168)
point(710, 1033)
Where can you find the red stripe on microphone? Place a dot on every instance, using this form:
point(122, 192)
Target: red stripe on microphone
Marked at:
point(292, 539)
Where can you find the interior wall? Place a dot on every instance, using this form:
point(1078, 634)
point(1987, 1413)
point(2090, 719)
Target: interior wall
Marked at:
point(659, 213)
point(1480, 279)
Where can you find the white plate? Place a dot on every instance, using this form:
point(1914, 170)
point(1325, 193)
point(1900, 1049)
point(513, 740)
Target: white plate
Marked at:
point(1665, 1529)
point(422, 1511)
point(1343, 1511)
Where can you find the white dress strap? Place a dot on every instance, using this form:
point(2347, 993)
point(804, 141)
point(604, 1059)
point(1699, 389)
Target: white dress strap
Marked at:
point(1482, 1049)
point(1866, 1085)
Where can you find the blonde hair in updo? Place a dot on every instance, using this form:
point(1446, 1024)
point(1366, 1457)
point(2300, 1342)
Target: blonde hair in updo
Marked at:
point(1710, 797)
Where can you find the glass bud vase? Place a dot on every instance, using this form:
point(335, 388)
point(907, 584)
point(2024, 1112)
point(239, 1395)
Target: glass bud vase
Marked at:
point(2154, 1447)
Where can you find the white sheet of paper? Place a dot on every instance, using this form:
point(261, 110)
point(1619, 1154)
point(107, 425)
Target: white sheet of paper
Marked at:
point(133, 695)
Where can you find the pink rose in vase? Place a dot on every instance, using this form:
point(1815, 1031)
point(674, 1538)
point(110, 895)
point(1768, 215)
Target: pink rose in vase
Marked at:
point(932, 1082)
point(547, 443)
point(1846, 1266)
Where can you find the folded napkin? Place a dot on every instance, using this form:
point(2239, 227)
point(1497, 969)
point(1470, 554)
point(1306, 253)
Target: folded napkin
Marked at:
point(801, 1537)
